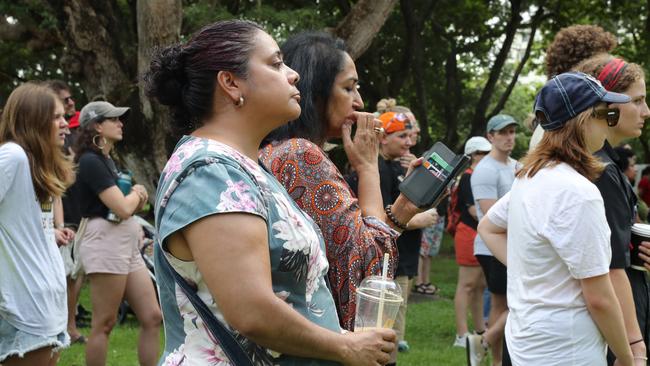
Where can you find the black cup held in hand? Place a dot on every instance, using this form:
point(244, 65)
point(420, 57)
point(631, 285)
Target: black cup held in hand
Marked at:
point(640, 232)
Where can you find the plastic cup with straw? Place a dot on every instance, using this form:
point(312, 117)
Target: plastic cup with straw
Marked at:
point(382, 294)
point(378, 301)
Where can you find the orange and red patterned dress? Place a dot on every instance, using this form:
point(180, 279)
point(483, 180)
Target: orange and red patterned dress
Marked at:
point(355, 244)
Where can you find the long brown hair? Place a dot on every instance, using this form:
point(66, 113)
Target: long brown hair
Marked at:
point(565, 145)
point(27, 120)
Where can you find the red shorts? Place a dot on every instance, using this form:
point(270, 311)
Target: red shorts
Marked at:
point(464, 245)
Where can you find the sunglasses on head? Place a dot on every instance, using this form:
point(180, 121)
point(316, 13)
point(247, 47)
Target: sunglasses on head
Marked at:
point(611, 115)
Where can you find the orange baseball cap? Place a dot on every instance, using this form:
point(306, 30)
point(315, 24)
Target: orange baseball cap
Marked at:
point(394, 122)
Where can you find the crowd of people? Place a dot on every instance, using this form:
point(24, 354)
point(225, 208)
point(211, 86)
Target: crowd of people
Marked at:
point(262, 242)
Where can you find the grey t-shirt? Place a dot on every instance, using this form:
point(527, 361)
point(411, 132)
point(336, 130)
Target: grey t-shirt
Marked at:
point(491, 179)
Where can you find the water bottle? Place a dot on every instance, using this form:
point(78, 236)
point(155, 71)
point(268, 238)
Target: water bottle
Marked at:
point(124, 183)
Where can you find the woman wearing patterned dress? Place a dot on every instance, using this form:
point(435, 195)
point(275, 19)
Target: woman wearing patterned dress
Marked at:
point(357, 232)
point(227, 226)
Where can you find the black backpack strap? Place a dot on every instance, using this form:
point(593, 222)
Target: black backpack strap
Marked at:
point(230, 346)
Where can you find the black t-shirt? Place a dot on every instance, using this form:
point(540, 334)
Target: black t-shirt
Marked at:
point(408, 244)
point(466, 200)
point(391, 173)
point(95, 174)
point(620, 206)
point(71, 209)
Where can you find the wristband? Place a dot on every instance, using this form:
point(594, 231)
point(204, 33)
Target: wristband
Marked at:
point(637, 341)
point(392, 217)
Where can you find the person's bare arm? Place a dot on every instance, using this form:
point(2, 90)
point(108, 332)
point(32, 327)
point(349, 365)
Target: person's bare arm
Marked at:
point(486, 204)
point(62, 235)
point(123, 206)
point(496, 239)
point(57, 207)
point(605, 310)
point(621, 285)
point(424, 219)
point(472, 211)
point(231, 259)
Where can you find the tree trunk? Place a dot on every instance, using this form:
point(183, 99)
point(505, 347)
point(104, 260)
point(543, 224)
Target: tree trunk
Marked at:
point(96, 51)
point(478, 121)
point(414, 42)
point(362, 24)
point(159, 25)
point(110, 57)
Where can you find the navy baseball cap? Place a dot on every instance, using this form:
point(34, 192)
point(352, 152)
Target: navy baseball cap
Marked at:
point(569, 94)
point(499, 122)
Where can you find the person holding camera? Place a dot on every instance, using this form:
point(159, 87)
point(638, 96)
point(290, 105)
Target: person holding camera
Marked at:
point(109, 244)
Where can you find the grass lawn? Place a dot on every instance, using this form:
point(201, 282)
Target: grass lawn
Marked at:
point(430, 326)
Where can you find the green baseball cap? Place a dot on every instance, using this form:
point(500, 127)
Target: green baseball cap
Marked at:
point(499, 122)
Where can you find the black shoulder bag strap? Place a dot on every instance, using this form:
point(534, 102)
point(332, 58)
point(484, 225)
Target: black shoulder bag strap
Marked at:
point(230, 346)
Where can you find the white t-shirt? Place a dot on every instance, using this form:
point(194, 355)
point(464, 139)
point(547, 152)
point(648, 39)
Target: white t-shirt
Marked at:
point(557, 235)
point(491, 179)
point(32, 277)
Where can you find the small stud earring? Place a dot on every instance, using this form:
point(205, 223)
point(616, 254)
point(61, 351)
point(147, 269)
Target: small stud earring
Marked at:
point(240, 102)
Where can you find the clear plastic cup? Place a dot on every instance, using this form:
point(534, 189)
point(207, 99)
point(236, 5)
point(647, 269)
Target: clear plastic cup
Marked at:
point(369, 297)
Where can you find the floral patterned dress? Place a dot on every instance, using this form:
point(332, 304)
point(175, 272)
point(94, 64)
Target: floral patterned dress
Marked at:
point(355, 244)
point(205, 177)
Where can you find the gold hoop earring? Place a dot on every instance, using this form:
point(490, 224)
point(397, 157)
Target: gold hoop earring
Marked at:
point(96, 144)
point(240, 102)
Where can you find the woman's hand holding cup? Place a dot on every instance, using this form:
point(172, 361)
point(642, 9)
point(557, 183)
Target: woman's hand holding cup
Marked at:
point(370, 347)
point(644, 253)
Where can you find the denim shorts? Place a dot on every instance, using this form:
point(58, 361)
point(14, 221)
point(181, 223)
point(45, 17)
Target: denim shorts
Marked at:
point(15, 342)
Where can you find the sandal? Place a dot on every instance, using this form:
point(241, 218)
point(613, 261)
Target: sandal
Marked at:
point(426, 289)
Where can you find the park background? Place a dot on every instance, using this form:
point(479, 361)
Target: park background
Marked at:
point(454, 63)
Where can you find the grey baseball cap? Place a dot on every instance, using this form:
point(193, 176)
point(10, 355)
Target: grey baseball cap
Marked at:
point(99, 111)
point(499, 122)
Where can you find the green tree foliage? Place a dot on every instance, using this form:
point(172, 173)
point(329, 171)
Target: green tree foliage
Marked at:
point(455, 63)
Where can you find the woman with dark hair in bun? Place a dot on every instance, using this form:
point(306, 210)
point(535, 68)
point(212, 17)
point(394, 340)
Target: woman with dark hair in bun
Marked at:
point(357, 230)
point(227, 226)
point(586, 48)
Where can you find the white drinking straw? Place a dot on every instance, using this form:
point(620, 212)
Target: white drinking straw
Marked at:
point(382, 294)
